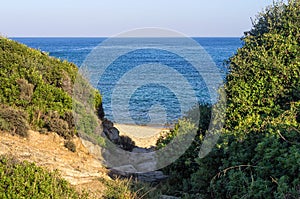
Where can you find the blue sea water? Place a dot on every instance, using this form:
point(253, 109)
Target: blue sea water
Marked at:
point(147, 103)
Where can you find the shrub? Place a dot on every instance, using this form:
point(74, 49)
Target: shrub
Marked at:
point(69, 118)
point(69, 144)
point(26, 89)
point(40, 85)
point(23, 180)
point(263, 83)
point(13, 121)
point(128, 189)
point(258, 153)
point(181, 170)
point(55, 124)
point(126, 143)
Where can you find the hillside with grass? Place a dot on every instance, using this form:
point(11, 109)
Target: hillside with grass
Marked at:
point(41, 155)
point(36, 91)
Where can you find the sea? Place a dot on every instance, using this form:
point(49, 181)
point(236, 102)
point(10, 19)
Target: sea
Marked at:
point(147, 81)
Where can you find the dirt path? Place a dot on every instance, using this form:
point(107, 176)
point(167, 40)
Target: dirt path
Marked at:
point(80, 168)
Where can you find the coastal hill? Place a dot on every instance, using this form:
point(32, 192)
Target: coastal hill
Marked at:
point(36, 120)
point(38, 89)
point(37, 125)
point(257, 154)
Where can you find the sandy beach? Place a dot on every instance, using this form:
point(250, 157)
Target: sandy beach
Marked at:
point(143, 136)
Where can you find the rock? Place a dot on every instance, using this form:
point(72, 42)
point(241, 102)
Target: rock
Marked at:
point(126, 143)
point(131, 171)
point(123, 164)
point(107, 124)
point(25, 155)
point(148, 165)
point(112, 134)
point(141, 150)
point(124, 171)
point(93, 149)
point(153, 176)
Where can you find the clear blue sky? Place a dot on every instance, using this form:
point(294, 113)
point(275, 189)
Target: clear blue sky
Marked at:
point(86, 18)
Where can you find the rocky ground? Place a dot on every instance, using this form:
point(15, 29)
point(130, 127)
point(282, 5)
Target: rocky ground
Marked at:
point(129, 159)
point(84, 167)
point(81, 169)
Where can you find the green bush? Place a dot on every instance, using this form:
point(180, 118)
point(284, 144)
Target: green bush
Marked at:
point(24, 180)
point(263, 84)
point(261, 166)
point(40, 85)
point(181, 170)
point(258, 155)
point(263, 112)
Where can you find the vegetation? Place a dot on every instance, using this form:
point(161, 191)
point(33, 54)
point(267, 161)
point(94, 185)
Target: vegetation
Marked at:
point(70, 145)
point(258, 154)
point(128, 189)
point(263, 86)
point(13, 120)
point(185, 165)
point(179, 182)
point(126, 143)
point(24, 180)
point(34, 82)
point(36, 91)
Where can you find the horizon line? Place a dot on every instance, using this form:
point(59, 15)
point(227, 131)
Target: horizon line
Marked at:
point(121, 37)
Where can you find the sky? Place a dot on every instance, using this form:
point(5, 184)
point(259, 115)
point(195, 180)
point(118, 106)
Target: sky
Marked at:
point(104, 18)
